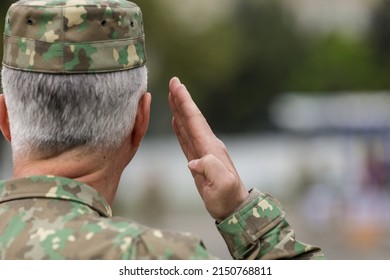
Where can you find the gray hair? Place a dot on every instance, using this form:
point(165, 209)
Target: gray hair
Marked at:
point(52, 113)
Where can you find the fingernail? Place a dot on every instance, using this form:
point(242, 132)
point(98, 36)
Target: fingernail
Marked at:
point(192, 163)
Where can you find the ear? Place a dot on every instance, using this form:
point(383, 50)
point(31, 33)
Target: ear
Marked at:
point(142, 120)
point(4, 123)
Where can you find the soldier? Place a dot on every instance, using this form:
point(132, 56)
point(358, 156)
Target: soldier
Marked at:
point(75, 109)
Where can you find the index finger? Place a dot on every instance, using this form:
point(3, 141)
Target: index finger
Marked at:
point(188, 117)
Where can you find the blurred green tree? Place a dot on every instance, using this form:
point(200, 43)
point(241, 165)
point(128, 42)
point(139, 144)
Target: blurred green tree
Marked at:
point(380, 31)
point(202, 59)
point(268, 45)
point(3, 10)
point(379, 39)
point(335, 62)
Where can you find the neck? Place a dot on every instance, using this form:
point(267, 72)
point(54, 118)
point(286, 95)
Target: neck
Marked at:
point(101, 170)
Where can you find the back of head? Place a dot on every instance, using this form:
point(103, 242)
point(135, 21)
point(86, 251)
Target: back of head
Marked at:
point(73, 73)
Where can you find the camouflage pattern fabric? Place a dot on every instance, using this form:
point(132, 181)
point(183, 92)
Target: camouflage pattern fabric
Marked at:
point(47, 217)
point(259, 231)
point(74, 36)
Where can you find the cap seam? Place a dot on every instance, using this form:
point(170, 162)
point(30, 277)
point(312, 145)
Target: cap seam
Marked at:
point(77, 43)
point(79, 5)
point(59, 72)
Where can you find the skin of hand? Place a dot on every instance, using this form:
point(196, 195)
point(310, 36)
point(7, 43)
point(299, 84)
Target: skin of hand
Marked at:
point(216, 178)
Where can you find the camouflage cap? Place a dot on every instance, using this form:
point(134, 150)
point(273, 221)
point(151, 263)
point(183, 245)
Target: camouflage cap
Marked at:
point(74, 36)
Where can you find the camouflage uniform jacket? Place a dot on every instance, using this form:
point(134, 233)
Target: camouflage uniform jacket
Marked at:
point(47, 217)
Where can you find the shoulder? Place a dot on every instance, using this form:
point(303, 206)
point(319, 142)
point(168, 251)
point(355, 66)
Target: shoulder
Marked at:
point(163, 244)
point(93, 237)
point(120, 238)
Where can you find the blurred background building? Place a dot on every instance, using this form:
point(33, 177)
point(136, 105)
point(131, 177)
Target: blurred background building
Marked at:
point(300, 93)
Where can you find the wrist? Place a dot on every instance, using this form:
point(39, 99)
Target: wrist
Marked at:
point(252, 194)
point(248, 197)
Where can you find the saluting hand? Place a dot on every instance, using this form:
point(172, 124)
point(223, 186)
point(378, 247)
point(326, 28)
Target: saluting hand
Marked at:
point(214, 173)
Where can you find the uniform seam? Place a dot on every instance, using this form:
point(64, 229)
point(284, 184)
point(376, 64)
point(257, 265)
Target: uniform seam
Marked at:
point(31, 196)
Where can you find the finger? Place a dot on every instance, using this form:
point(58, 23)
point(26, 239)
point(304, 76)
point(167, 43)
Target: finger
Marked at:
point(174, 83)
point(180, 128)
point(189, 119)
point(181, 132)
point(184, 143)
point(197, 137)
point(188, 111)
point(181, 102)
point(198, 143)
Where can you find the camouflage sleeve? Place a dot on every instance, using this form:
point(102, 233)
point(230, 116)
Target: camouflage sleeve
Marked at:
point(258, 230)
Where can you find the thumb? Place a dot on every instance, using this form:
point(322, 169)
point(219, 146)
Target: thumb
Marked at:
point(196, 167)
point(220, 189)
point(209, 166)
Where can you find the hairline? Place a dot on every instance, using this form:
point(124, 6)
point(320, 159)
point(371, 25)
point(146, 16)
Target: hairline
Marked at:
point(98, 90)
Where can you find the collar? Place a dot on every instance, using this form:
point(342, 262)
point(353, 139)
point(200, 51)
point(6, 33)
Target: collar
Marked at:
point(53, 187)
